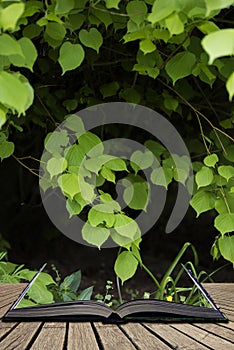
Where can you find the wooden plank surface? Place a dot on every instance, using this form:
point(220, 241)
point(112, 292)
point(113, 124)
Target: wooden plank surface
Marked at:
point(174, 337)
point(20, 337)
point(81, 336)
point(51, 336)
point(112, 337)
point(204, 337)
point(142, 338)
point(130, 336)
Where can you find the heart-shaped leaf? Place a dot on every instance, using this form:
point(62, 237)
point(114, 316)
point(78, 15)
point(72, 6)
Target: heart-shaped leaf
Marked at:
point(70, 56)
point(91, 38)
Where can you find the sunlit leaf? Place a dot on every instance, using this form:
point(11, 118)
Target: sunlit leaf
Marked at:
point(125, 265)
point(204, 177)
point(226, 246)
point(202, 201)
point(181, 65)
point(95, 235)
point(225, 38)
point(211, 160)
point(224, 223)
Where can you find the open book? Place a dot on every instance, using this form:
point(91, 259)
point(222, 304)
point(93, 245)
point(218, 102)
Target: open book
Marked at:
point(150, 310)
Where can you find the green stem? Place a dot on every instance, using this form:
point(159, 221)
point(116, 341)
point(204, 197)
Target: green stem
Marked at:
point(117, 282)
point(151, 275)
point(119, 290)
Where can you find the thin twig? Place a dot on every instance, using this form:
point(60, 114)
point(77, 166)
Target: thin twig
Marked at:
point(195, 110)
point(25, 166)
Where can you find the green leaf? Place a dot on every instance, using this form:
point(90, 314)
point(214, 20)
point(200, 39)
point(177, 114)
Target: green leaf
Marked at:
point(126, 226)
point(140, 160)
point(161, 11)
point(212, 5)
point(13, 93)
point(221, 206)
point(75, 123)
point(224, 223)
point(95, 164)
point(69, 184)
point(204, 177)
point(55, 141)
point(40, 293)
point(208, 27)
point(136, 195)
point(108, 174)
point(3, 117)
point(56, 31)
point(202, 201)
point(63, 7)
point(125, 265)
point(230, 86)
point(10, 15)
point(174, 24)
point(29, 52)
point(211, 160)
point(102, 16)
point(130, 95)
point(72, 281)
point(6, 149)
point(25, 303)
point(86, 190)
point(161, 176)
point(56, 166)
point(85, 294)
point(214, 251)
point(74, 156)
point(116, 164)
point(91, 38)
point(101, 214)
point(9, 46)
point(171, 103)
point(225, 38)
point(229, 153)
point(95, 235)
point(180, 175)
point(161, 34)
point(70, 56)
point(147, 46)
point(137, 11)
point(30, 91)
point(109, 89)
point(181, 65)
point(155, 147)
point(74, 207)
point(227, 171)
point(112, 4)
point(91, 144)
point(32, 31)
point(122, 241)
point(226, 247)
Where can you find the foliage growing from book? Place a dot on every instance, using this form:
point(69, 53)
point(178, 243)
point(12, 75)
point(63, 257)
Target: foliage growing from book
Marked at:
point(45, 289)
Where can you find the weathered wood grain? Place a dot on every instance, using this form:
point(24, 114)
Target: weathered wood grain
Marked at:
point(81, 336)
point(51, 336)
point(173, 336)
point(20, 337)
point(142, 338)
point(217, 330)
point(6, 327)
point(204, 337)
point(112, 337)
